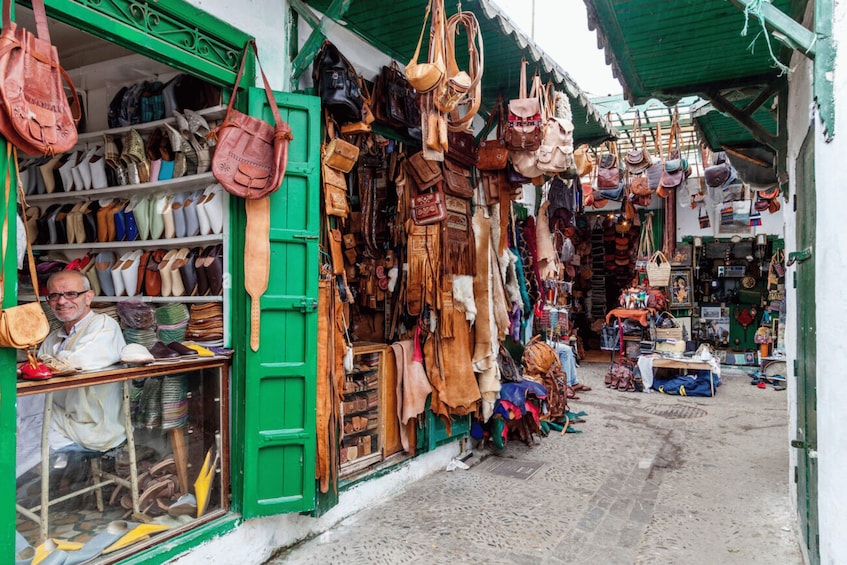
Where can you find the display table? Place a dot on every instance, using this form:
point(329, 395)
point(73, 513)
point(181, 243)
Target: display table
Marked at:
point(684, 364)
point(206, 369)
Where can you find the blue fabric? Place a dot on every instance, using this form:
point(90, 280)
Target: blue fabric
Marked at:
point(695, 384)
point(516, 393)
point(566, 358)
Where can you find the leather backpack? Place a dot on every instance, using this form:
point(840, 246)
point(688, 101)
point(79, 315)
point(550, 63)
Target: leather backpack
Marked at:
point(337, 84)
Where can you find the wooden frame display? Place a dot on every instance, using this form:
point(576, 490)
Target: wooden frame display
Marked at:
point(680, 288)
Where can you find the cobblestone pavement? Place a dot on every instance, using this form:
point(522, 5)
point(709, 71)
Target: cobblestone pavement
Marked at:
point(652, 479)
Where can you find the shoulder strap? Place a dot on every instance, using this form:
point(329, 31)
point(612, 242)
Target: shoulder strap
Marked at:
point(268, 91)
point(12, 155)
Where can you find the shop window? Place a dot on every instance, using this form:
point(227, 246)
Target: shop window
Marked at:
point(133, 208)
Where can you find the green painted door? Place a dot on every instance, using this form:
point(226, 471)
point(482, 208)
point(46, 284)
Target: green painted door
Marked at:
point(280, 379)
point(806, 440)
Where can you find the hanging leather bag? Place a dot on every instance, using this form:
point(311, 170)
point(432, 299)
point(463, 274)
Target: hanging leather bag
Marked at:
point(35, 112)
point(492, 154)
point(638, 160)
point(523, 127)
point(337, 84)
point(251, 155)
point(609, 172)
point(24, 326)
point(425, 77)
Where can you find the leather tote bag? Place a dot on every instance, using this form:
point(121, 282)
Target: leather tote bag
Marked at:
point(35, 112)
point(251, 155)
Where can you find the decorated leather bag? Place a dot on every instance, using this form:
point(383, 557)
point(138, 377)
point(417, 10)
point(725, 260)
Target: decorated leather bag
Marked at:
point(427, 76)
point(457, 238)
point(523, 125)
point(35, 112)
point(427, 205)
point(251, 155)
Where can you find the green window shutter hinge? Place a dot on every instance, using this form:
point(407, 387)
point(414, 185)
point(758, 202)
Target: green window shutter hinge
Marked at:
point(799, 256)
point(308, 305)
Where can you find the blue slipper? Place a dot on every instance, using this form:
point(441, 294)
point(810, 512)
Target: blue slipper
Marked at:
point(95, 546)
point(23, 551)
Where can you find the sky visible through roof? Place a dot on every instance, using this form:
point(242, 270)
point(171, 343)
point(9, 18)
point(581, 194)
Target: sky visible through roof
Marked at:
point(561, 29)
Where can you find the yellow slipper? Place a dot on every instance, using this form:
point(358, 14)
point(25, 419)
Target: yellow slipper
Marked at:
point(201, 351)
point(203, 484)
point(45, 549)
point(138, 533)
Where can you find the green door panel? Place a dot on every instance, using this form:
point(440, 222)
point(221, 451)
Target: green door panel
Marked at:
point(280, 378)
point(806, 432)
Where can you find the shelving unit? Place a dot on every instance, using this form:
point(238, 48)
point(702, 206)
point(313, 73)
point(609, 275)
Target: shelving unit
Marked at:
point(362, 437)
point(181, 184)
point(137, 244)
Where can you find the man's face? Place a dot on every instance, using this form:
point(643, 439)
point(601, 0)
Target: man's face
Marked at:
point(68, 309)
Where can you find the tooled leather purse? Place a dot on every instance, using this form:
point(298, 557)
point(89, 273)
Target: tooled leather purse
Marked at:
point(492, 154)
point(35, 113)
point(24, 326)
point(251, 155)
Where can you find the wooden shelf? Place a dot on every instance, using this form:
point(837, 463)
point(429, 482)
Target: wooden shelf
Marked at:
point(212, 113)
point(137, 244)
point(181, 184)
point(29, 297)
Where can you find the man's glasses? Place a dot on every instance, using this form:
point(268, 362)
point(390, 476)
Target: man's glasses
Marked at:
point(69, 295)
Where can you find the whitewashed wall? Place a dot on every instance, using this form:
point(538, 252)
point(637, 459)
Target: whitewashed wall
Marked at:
point(267, 21)
point(831, 272)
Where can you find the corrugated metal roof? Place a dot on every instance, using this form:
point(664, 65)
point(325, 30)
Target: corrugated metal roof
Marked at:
point(717, 129)
point(394, 28)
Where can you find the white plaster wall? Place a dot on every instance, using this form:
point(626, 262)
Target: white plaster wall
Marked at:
point(267, 21)
point(831, 270)
point(254, 541)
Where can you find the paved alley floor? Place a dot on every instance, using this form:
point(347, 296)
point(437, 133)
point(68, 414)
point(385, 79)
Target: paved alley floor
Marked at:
point(652, 479)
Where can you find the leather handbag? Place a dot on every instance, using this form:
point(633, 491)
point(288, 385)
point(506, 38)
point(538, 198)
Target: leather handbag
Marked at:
point(424, 173)
point(492, 154)
point(35, 112)
point(609, 172)
point(523, 125)
point(425, 77)
point(640, 186)
point(718, 175)
point(492, 183)
point(555, 155)
point(338, 154)
point(251, 155)
point(24, 326)
point(457, 180)
point(461, 148)
point(583, 160)
point(429, 207)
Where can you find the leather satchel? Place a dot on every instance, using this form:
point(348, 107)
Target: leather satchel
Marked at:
point(640, 186)
point(36, 113)
point(425, 77)
point(335, 192)
point(718, 175)
point(424, 173)
point(492, 154)
point(24, 326)
point(429, 207)
point(339, 154)
point(457, 180)
point(251, 155)
point(461, 148)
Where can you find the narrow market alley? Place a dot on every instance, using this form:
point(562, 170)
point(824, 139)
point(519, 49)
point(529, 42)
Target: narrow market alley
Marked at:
point(651, 479)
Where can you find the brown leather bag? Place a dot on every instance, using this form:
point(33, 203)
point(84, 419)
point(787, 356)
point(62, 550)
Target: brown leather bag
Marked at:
point(429, 207)
point(36, 113)
point(251, 155)
point(424, 172)
point(457, 180)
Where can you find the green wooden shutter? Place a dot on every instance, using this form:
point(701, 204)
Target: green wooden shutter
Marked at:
point(280, 384)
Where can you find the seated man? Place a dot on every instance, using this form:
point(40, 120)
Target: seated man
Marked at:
point(568, 360)
point(85, 417)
